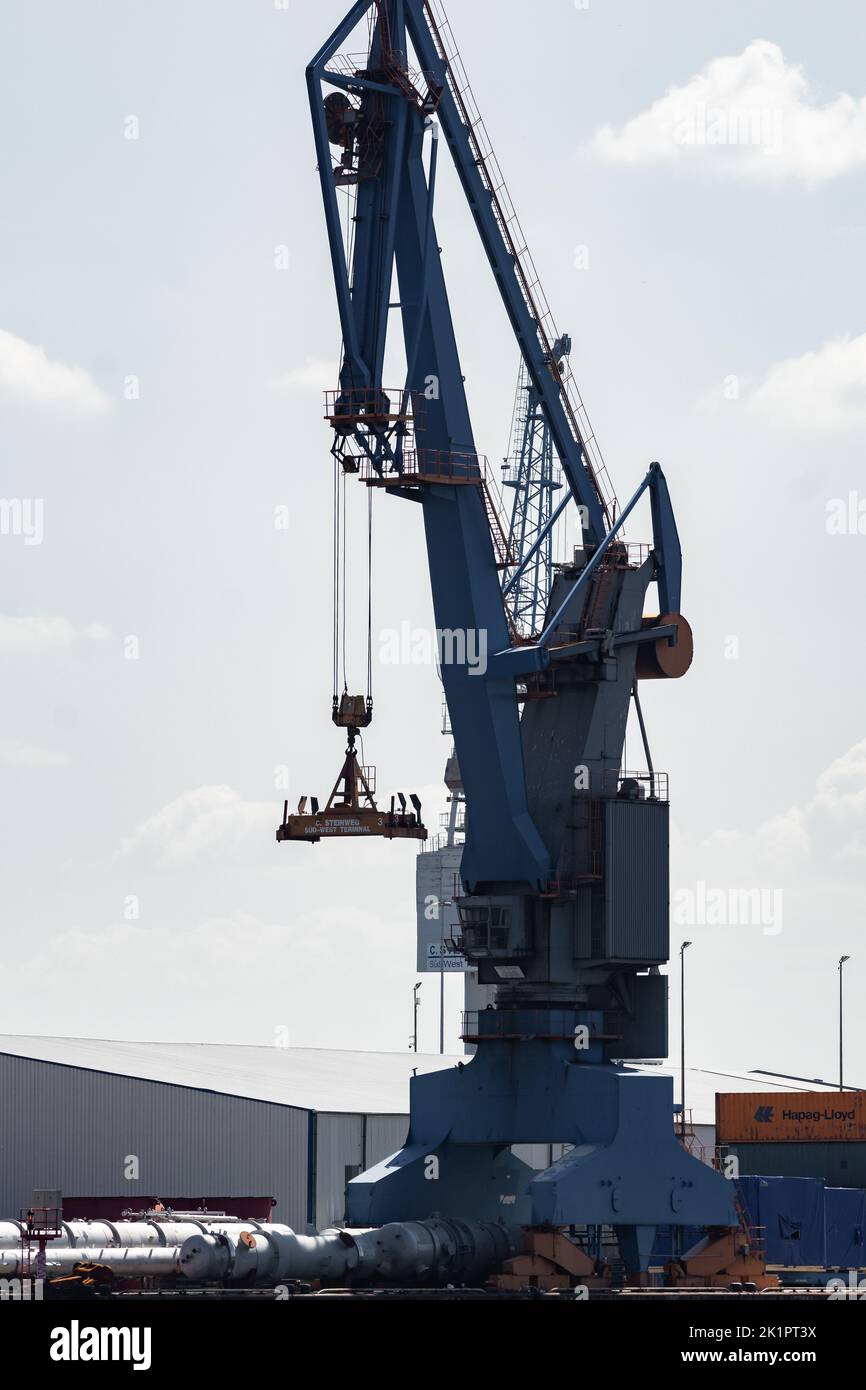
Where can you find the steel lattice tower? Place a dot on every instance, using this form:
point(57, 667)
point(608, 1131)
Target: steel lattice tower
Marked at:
point(532, 470)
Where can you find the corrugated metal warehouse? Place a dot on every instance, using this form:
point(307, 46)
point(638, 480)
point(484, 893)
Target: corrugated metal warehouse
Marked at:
point(140, 1120)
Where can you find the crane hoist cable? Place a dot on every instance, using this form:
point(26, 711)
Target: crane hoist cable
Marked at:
point(340, 522)
point(335, 599)
point(340, 588)
point(370, 595)
point(343, 579)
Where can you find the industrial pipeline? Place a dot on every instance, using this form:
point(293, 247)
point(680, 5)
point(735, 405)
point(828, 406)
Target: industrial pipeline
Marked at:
point(259, 1253)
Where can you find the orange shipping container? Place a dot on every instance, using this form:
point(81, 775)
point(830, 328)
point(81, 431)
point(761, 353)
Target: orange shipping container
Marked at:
point(762, 1116)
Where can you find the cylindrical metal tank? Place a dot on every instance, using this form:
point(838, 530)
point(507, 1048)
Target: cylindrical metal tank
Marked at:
point(269, 1255)
point(459, 1252)
point(404, 1252)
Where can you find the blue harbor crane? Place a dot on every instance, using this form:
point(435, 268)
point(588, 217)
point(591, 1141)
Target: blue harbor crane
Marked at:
point(564, 900)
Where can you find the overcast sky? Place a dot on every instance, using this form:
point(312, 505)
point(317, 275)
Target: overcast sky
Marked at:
point(167, 324)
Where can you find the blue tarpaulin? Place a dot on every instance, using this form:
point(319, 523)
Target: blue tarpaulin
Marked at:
point(788, 1215)
point(846, 1227)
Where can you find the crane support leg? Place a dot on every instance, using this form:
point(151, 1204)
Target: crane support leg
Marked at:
point(626, 1168)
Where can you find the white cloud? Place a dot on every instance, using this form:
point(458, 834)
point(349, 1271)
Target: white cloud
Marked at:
point(312, 971)
point(838, 809)
point(315, 375)
point(827, 832)
point(770, 908)
point(752, 116)
point(46, 634)
point(15, 754)
point(27, 373)
point(783, 841)
point(201, 822)
point(823, 391)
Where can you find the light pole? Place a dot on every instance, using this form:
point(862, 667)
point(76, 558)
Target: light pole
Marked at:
point(683, 949)
point(842, 960)
point(442, 1001)
point(415, 989)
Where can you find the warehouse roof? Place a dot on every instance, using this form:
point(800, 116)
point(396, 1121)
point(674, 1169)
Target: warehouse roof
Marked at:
point(373, 1083)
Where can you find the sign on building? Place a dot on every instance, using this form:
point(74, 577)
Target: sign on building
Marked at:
point(437, 877)
point(439, 957)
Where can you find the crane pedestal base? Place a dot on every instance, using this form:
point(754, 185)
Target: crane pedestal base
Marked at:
point(625, 1169)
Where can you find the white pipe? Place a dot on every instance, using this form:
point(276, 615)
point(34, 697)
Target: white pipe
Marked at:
point(123, 1233)
point(129, 1261)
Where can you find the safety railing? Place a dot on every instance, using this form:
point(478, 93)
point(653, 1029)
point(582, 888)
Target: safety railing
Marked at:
point(441, 841)
point(567, 886)
point(511, 475)
point(636, 553)
point(647, 786)
point(44, 1222)
point(430, 466)
point(508, 1025)
point(690, 1141)
point(373, 407)
point(450, 466)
